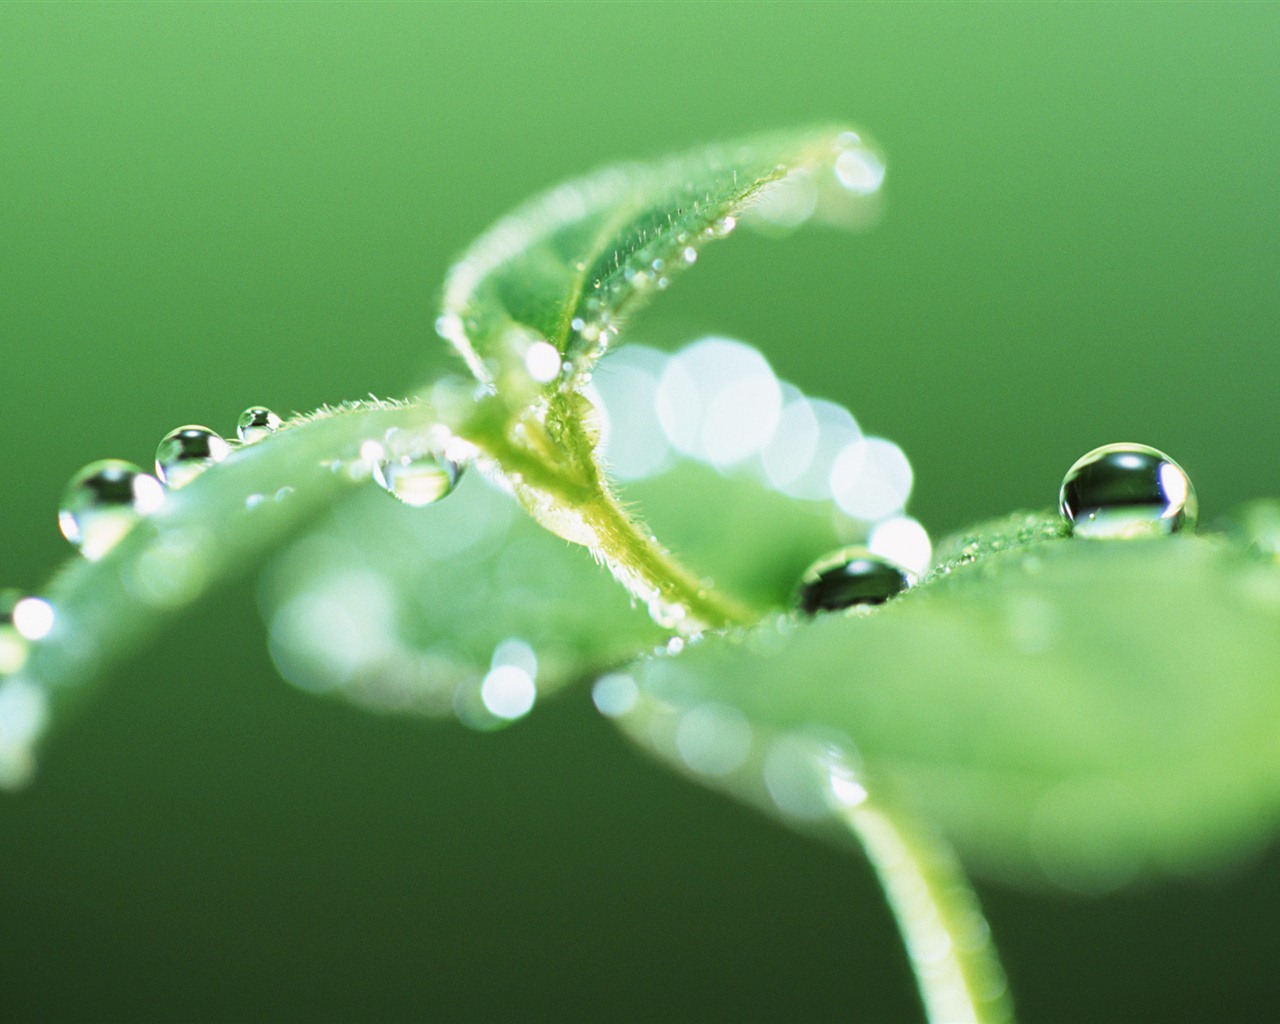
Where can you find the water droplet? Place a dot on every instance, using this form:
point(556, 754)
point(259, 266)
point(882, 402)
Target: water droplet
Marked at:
point(860, 170)
point(32, 617)
point(508, 692)
point(615, 694)
point(257, 422)
point(904, 541)
point(723, 228)
point(103, 502)
point(848, 577)
point(871, 479)
point(188, 451)
point(13, 647)
point(418, 480)
point(1127, 490)
point(542, 362)
point(667, 614)
point(718, 400)
point(24, 711)
point(713, 739)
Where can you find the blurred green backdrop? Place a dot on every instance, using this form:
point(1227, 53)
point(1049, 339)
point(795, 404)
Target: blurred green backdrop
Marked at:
point(207, 206)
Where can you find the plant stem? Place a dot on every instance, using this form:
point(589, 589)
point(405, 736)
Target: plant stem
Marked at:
point(633, 553)
point(947, 939)
point(565, 478)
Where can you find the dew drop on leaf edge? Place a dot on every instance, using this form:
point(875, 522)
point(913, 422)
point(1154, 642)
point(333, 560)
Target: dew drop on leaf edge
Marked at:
point(188, 451)
point(257, 422)
point(418, 480)
point(1121, 491)
point(848, 577)
point(103, 502)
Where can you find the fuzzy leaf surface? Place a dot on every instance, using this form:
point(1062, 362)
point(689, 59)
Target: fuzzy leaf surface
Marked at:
point(569, 265)
point(1081, 711)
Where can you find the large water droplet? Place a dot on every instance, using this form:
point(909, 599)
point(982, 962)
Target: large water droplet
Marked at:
point(418, 480)
point(848, 577)
point(103, 502)
point(1127, 490)
point(188, 451)
point(257, 422)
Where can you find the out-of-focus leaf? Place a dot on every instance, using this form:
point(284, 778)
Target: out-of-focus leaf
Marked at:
point(1085, 711)
point(220, 523)
point(411, 609)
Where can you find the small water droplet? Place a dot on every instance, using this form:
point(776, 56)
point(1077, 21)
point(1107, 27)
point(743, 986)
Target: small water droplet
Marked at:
point(858, 169)
point(723, 228)
point(24, 712)
point(14, 648)
point(418, 480)
point(508, 692)
point(542, 362)
point(188, 451)
point(257, 422)
point(690, 254)
point(848, 577)
point(615, 694)
point(667, 614)
point(32, 617)
point(1127, 490)
point(103, 502)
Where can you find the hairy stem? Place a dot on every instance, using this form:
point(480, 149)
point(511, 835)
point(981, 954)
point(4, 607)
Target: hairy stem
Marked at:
point(639, 561)
point(559, 481)
point(947, 939)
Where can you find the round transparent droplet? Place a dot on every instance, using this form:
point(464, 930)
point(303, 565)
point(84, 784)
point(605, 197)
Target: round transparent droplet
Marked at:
point(103, 502)
point(188, 451)
point(1127, 491)
point(418, 480)
point(848, 577)
point(13, 646)
point(257, 422)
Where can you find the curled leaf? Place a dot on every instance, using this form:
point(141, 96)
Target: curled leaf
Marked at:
point(539, 297)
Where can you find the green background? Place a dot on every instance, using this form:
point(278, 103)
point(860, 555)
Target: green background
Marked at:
point(205, 207)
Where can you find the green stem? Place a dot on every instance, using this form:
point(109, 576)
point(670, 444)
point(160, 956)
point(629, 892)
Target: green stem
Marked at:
point(565, 477)
point(947, 939)
point(633, 552)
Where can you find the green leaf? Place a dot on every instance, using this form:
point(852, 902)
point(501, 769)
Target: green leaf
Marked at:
point(408, 609)
point(217, 525)
point(1081, 711)
point(539, 298)
point(567, 267)
point(588, 251)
